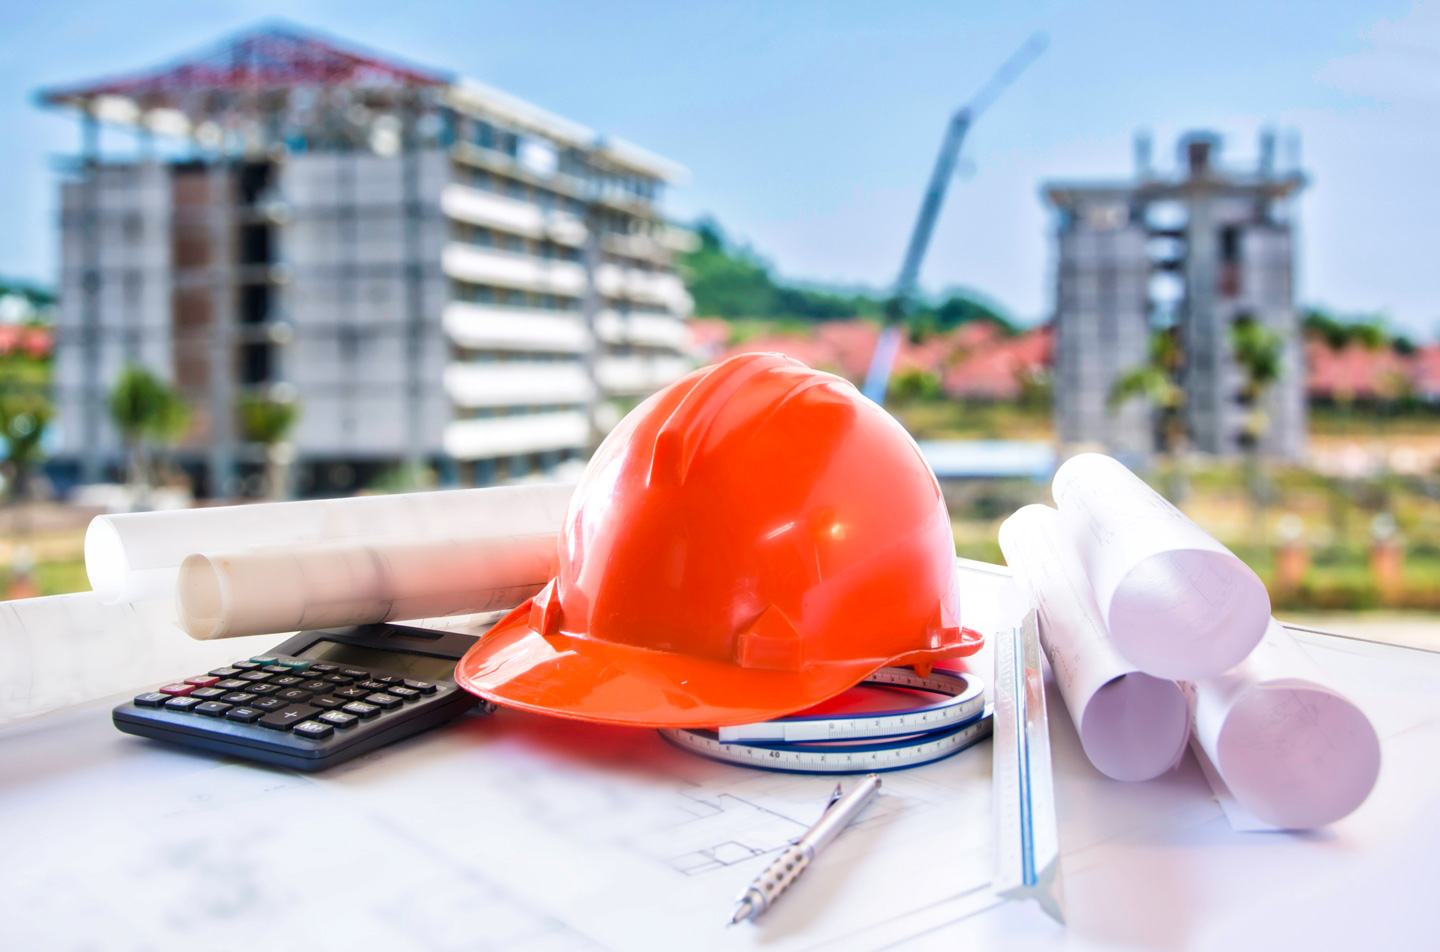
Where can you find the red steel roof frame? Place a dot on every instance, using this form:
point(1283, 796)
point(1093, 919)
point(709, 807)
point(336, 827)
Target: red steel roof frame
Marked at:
point(273, 56)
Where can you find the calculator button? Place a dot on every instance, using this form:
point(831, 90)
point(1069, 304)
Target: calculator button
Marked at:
point(322, 667)
point(424, 687)
point(177, 690)
point(212, 708)
point(207, 694)
point(318, 687)
point(314, 730)
point(153, 699)
point(372, 685)
point(231, 684)
point(286, 680)
point(388, 679)
point(202, 680)
point(254, 676)
point(265, 659)
point(276, 669)
point(294, 695)
point(229, 672)
point(180, 703)
point(271, 704)
point(262, 688)
point(361, 709)
point(402, 692)
point(239, 697)
point(327, 702)
point(355, 673)
point(339, 719)
point(339, 679)
point(388, 701)
point(244, 665)
point(245, 715)
point(286, 718)
point(295, 664)
point(352, 692)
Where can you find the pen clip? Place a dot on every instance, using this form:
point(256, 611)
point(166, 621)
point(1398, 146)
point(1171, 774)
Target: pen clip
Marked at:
point(834, 799)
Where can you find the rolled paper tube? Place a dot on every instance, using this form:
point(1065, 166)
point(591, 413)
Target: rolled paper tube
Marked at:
point(61, 650)
point(1132, 726)
point(1177, 603)
point(1292, 749)
point(324, 585)
point(133, 556)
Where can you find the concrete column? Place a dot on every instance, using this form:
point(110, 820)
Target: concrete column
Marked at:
point(92, 396)
point(222, 332)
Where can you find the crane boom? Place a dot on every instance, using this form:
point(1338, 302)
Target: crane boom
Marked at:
point(877, 380)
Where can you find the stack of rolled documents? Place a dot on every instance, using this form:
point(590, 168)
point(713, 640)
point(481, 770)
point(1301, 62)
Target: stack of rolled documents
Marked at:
point(266, 569)
point(1154, 631)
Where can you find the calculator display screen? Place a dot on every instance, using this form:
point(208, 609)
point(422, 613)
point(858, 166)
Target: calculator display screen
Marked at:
point(416, 666)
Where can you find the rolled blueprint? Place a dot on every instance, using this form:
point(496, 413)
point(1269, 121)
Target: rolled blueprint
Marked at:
point(1292, 750)
point(1131, 725)
point(135, 556)
point(68, 649)
point(322, 585)
point(1176, 602)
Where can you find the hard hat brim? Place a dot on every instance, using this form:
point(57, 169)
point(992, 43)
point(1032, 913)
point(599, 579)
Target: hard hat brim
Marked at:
point(580, 678)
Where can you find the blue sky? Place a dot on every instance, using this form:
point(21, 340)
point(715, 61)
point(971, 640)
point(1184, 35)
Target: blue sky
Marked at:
point(809, 128)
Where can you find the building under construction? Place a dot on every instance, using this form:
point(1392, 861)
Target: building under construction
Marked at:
point(437, 272)
point(1189, 253)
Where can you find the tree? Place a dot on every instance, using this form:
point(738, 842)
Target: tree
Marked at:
point(1158, 381)
point(23, 418)
point(914, 385)
point(733, 282)
point(1259, 352)
point(268, 421)
point(147, 411)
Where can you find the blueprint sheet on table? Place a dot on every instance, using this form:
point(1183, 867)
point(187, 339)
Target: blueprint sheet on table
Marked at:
point(506, 832)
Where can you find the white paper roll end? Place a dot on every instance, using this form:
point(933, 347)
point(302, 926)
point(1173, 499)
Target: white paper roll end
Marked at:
point(1298, 756)
point(1188, 614)
point(1135, 727)
point(200, 598)
point(105, 562)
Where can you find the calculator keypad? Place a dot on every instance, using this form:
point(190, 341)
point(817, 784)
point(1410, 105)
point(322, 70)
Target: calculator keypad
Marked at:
point(308, 699)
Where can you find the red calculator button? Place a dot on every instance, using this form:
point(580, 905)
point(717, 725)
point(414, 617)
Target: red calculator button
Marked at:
point(202, 680)
point(179, 690)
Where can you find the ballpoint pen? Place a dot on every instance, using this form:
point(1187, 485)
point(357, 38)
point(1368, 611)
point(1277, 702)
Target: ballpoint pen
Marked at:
point(778, 876)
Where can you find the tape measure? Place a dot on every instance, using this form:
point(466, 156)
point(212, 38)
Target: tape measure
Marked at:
point(827, 743)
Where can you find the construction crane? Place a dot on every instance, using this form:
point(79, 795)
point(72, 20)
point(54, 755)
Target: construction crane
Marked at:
point(877, 380)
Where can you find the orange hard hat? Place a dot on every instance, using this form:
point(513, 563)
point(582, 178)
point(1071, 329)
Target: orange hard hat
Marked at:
point(751, 540)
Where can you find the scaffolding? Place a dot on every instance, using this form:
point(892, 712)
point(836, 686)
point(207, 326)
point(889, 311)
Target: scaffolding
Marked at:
point(1189, 254)
point(240, 108)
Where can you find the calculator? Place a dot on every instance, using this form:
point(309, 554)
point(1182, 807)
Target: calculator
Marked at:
point(315, 700)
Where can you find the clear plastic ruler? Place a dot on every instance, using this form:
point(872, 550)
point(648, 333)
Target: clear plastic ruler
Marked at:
point(838, 743)
point(1027, 840)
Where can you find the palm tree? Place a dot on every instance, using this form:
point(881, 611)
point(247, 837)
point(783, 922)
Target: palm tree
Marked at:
point(1259, 352)
point(1158, 381)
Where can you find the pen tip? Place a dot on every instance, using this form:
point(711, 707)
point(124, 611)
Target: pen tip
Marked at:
point(743, 910)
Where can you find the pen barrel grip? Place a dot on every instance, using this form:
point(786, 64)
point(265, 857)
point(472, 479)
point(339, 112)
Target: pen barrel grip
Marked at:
point(780, 874)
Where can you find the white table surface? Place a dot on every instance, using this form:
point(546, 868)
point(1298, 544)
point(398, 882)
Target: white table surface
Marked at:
point(113, 842)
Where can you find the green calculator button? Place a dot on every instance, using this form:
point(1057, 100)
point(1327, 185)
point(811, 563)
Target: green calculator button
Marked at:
point(264, 659)
point(297, 664)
